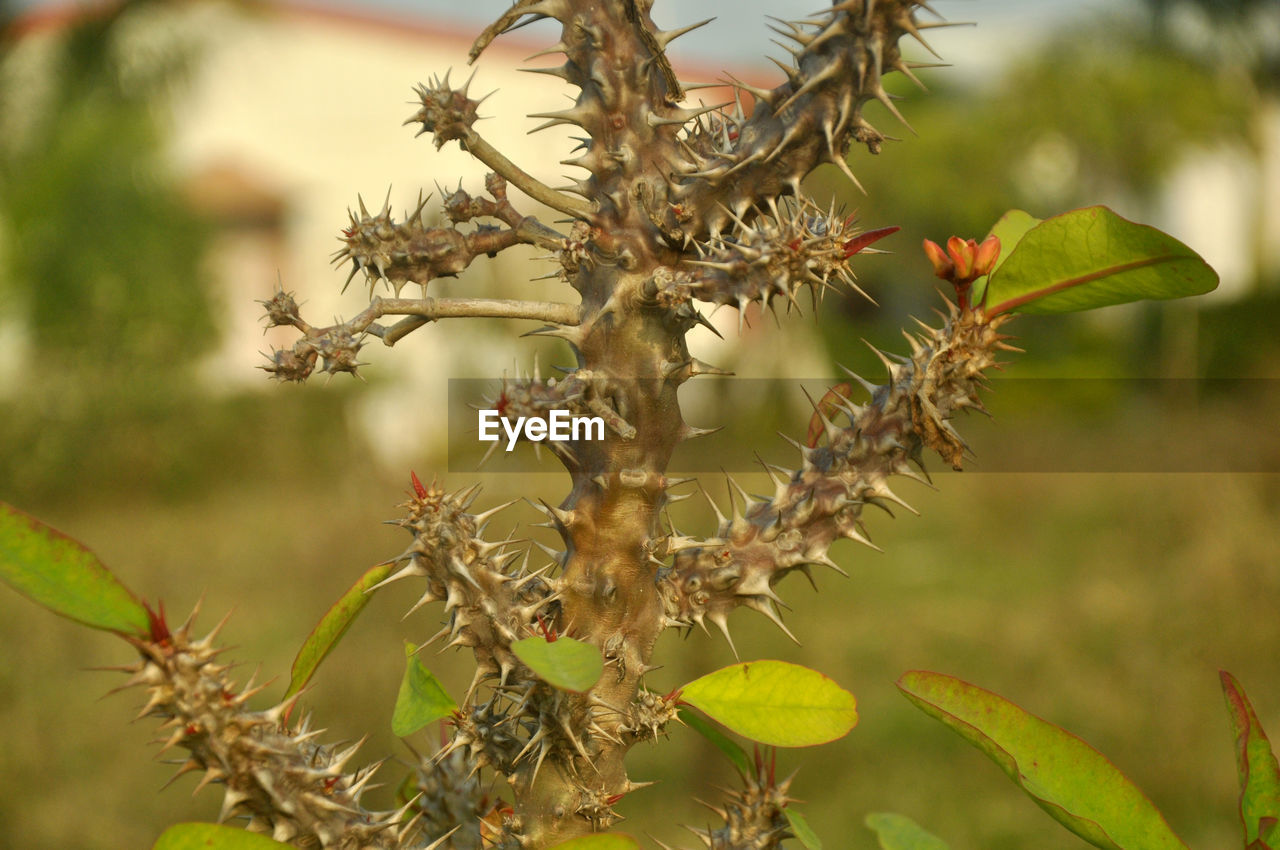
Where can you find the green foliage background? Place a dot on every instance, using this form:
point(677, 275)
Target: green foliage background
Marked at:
point(1104, 602)
point(103, 264)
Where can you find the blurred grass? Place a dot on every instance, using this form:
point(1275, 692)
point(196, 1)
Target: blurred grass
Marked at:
point(1104, 603)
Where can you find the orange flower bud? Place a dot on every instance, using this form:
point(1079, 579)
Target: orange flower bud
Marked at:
point(988, 253)
point(962, 252)
point(942, 266)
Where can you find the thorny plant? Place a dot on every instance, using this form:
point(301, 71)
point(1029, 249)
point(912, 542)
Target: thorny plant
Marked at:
point(679, 206)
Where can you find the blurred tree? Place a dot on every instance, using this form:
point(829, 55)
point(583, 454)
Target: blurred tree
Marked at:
point(1243, 34)
point(101, 262)
point(1101, 112)
point(103, 257)
point(1047, 135)
point(1110, 108)
point(1237, 40)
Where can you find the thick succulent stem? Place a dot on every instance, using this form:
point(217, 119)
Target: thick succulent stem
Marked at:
point(681, 205)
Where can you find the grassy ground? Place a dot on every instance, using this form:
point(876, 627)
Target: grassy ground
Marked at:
point(1105, 603)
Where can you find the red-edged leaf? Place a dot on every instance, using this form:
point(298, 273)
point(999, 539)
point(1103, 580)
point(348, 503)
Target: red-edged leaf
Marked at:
point(1066, 777)
point(1259, 772)
point(332, 626)
point(59, 573)
point(775, 702)
point(1089, 258)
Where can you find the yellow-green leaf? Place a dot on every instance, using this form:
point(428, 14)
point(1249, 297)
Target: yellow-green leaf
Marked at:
point(564, 663)
point(212, 836)
point(774, 702)
point(722, 742)
point(332, 626)
point(1091, 258)
point(802, 831)
point(899, 832)
point(1010, 229)
point(1066, 777)
point(421, 700)
point(59, 573)
point(1258, 770)
point(608, 841)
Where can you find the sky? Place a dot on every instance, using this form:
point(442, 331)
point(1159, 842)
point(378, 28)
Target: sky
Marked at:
point(741, 25)
point(740, 29)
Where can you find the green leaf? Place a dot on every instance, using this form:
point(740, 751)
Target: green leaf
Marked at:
point(1066, 777)
point(899, 832)
point(1010, 228)
point(212, 836)
point(564, 663)
point(609, 841)
point(59, 573)
point(332, 626)
point(1091, 258)
point(802, 831)
point(1259, 773)
point(776, 703)
point(421, 700)
point(722, 741)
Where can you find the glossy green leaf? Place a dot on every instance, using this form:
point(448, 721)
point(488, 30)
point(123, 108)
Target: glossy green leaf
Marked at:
point(722, 742)
point(1066, 777)
point(59, 573)
point(1258, 770)
point(332, 626)
point(212, 836)
point(802, 831)
point(899, 832)
point(564, 663)
point(774, 702)
point(1091, 258)
point(421, 700)
point(608, 841)
point(1010, 229)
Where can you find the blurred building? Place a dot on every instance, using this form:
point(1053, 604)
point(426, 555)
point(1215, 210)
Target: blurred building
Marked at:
point(291, 112)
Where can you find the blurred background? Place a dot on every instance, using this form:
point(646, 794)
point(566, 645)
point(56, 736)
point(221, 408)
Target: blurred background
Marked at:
point(164, 164)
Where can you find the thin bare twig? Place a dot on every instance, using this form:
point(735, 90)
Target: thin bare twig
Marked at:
point(422, 311)
point(532, 187)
